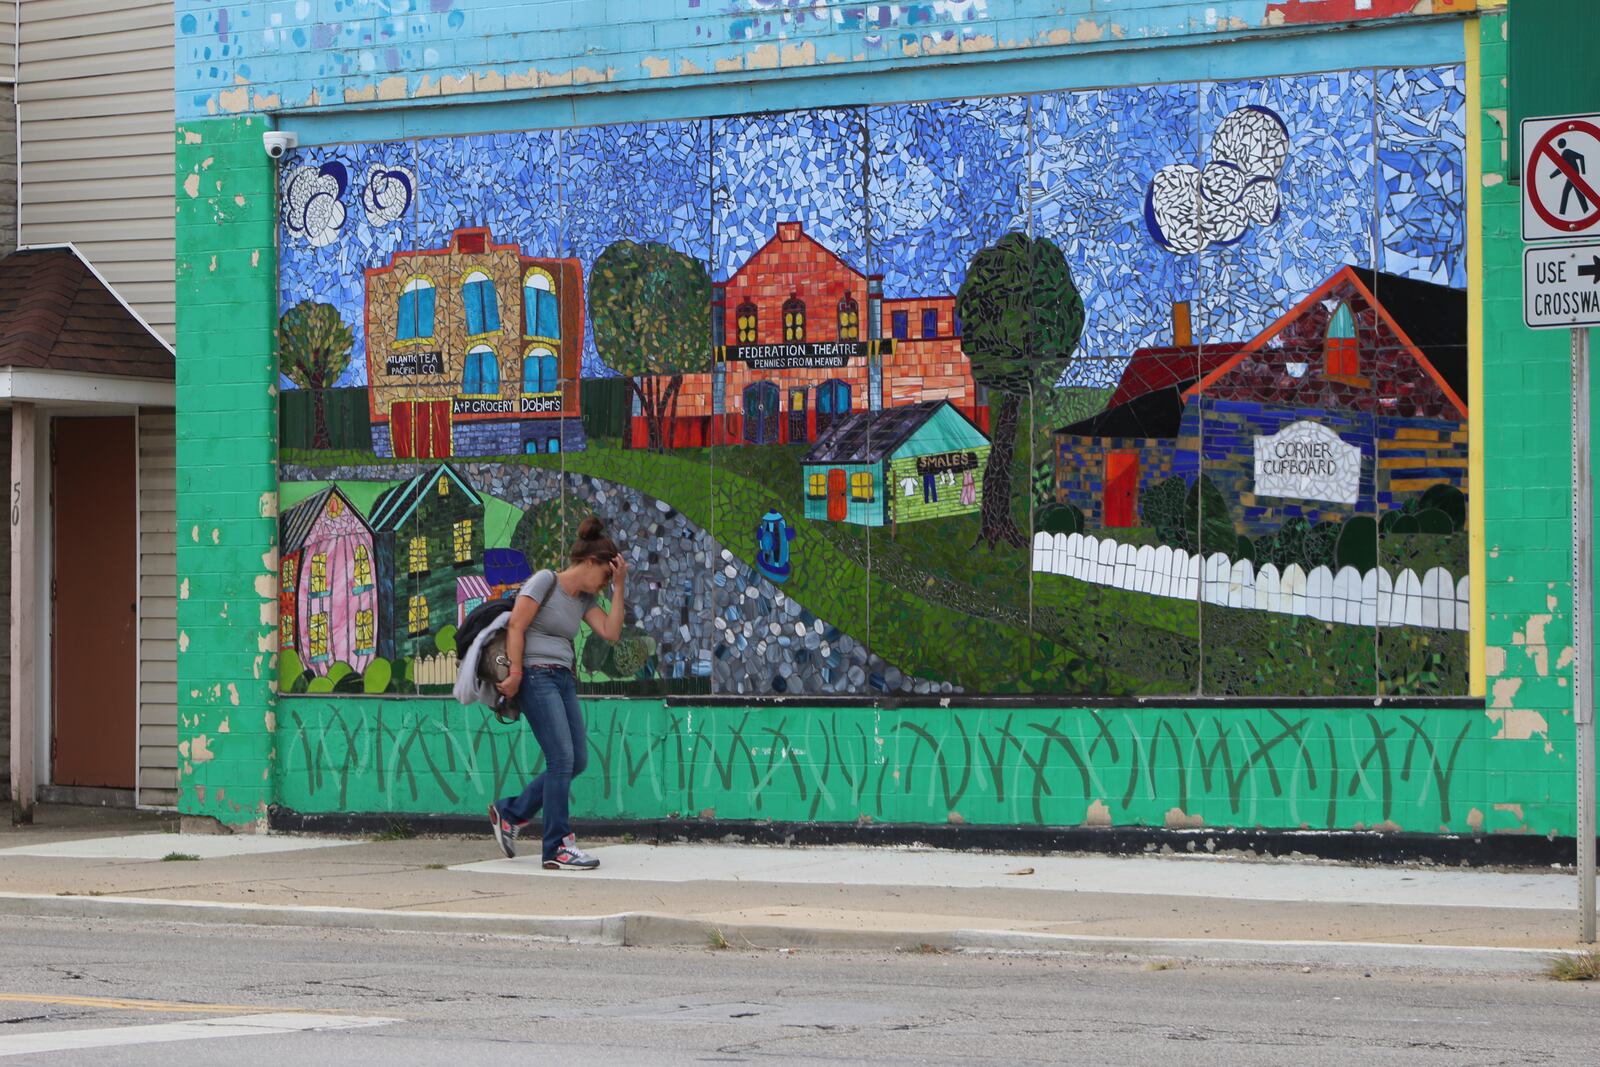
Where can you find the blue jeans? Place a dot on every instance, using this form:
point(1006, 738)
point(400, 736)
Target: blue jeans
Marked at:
point(549, 701)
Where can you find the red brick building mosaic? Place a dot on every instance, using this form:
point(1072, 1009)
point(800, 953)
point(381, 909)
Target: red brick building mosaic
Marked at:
point(801, 339)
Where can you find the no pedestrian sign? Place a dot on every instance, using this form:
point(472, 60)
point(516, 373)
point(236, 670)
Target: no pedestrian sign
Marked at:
point(1561, 286)
point(1561, 177)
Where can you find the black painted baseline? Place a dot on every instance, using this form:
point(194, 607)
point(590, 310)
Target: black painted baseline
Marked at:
point(1453, 850)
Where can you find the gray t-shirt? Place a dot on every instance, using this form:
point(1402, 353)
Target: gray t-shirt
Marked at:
point(549, 636)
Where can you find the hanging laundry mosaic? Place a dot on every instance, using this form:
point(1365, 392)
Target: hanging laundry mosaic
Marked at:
point(1152, 390)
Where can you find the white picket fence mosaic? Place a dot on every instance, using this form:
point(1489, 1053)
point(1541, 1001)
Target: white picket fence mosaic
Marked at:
point(435, 670)
point(1436, 600)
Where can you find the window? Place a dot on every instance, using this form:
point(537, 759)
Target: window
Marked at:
point(481, 375)
point(483, 306)
point(444, 486)
point(849, 319)
point(416, 311)
point(319, 575)
point(364, 630)
point(553, 445)
point(745, 319)
point(418, 555)
point(1341, 357)
point(417, 615)
point(955, 323)
point(540, 314)
point(317, 633)
point(817, 485)
point(539, 371)
point(462, 538)
point(363, 568)
point(286, 630)
point(794, 319)
point(901, 324)
point(930, 322)
point(861, 486)
point(291, 570)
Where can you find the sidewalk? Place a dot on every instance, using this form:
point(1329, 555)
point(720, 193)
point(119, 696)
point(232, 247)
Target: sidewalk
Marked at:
point(98, 863)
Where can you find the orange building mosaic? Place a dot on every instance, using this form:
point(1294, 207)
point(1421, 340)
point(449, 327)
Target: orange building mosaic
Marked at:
point(802, 339)
point(474, 350)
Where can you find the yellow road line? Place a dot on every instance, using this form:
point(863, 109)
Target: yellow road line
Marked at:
point(119, 1004)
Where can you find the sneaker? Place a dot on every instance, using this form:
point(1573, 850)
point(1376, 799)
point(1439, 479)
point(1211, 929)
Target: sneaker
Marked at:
point(570, 857)
point(505, 832)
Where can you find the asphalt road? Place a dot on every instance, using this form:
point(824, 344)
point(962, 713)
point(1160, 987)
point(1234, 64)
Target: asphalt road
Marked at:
point(193, 992)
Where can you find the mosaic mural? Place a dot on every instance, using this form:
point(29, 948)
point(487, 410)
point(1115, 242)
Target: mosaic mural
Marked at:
point(1137, 391)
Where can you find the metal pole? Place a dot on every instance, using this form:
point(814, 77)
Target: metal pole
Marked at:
point(1583, 630)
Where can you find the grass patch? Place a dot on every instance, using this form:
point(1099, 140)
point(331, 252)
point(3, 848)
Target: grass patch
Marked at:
point(397, 830)
point(179, 857)
point(1576, 967)
point(434, 867)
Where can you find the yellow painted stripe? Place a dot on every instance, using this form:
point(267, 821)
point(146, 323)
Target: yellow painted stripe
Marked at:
point(119, 1004)
point(1412, 433)
point(1475, 222)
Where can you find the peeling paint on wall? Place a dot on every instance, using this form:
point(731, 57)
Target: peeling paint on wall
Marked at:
point(233, 58)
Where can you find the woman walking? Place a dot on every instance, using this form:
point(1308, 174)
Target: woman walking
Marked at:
point(544, 621)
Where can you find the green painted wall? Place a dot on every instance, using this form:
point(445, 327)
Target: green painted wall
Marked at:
point(227, 468)
point(1314, 768)
point(1527, 526)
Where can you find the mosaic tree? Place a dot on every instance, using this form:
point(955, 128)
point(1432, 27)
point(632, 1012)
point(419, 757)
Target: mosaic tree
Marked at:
point(1021, 318)
point(651, 309)
point(314, 349)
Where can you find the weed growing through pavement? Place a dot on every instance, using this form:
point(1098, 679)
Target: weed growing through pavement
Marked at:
point(1577, 967)
point(434, 867)
point(179, 857)
point(930, 950)
point(1158, 965)
point(398, 830)
point(714, 939)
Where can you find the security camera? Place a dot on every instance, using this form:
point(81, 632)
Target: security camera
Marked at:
point(277, 142)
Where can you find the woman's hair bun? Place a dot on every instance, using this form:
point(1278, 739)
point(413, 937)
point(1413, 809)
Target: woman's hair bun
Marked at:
point(591, 529)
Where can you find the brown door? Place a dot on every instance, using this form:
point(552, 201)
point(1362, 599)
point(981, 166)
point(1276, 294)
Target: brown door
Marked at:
point(94, 627)
point(838, 505)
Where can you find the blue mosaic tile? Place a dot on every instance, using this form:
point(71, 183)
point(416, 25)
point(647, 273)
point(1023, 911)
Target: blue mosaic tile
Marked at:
point(945, 181)
point(505, 181)
point(637, 182)
point(790, 167)
point(376, 217)
point(1422, 173)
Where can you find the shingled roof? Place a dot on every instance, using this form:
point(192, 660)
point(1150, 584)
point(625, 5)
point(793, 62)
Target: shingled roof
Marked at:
point(868, 436)
point(57, 314)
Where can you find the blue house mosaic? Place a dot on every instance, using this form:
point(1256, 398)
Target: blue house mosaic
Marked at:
point(1353, 403)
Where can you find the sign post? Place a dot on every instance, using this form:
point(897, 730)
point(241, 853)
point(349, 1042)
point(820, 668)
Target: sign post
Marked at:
point(1561, 290)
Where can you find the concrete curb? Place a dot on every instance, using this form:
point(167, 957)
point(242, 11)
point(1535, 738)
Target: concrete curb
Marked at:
point(647, 929)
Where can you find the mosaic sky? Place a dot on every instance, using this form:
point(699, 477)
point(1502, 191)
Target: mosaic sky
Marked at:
point(1373, 176)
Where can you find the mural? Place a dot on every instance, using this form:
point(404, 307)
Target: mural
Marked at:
point(1138, 391)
